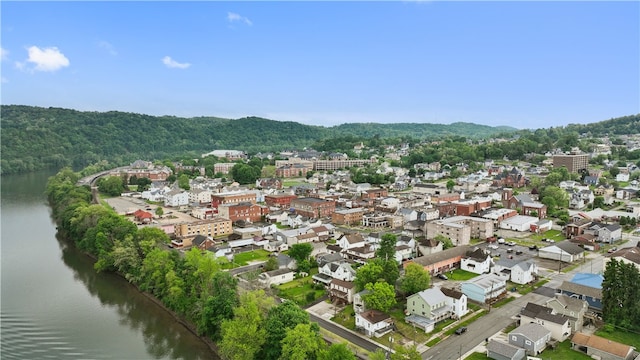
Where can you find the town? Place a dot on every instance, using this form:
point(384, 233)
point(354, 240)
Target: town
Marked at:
point(422, 259)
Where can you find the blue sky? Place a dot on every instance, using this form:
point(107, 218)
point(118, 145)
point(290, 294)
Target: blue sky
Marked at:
point(524, 64)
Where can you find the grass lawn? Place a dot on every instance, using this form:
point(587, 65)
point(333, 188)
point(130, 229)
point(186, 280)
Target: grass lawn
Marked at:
point(477, 356)
point(626, 338)
point(244, 258)
point(345, 318)
point(298, 289)
point(563, 351)
point(503, 302)
point(461, 275)
point(406, 330)
point(293, 182)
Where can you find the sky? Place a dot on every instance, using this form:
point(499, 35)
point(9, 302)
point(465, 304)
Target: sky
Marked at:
point(535, 64)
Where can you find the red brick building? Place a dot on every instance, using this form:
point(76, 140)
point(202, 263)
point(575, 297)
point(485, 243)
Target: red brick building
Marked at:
point(222, 199)
point(293, 170)
point(245, 211)
point(374, 194)
point(279, 200)
point(348, 216)
point(313, 208)
point(468, 207)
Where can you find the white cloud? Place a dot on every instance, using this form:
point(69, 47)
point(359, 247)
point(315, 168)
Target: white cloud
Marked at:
point(3, 53)
point(104, 45)
point(170, 63)
point(47, 59)
point(236, 17)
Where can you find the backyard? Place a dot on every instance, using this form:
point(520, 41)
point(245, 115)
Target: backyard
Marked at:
point(300, 290)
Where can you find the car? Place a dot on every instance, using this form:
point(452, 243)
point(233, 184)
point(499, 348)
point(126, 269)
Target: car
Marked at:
point(493, 246)
point(518, 252)
point(512, 243)
point(613, 249)
point(533, 247)
point(501, 241)
point(509, 250)
point(443, 277)
point(461, 330)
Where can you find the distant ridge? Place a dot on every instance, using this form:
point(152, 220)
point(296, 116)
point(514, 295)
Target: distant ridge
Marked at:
point(34, 138)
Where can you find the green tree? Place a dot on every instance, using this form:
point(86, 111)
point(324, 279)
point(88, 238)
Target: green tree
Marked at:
point(337, 351)
point(387, 249)
point(450, 184)
point(303, 342)
point(247, 323)
point(111, 185)
point(280, 318)
point(621, 295)
point(159, 211)
point(446, 242)
point(598, 202)
point(379, 354)
point(381, 296)
point(245, 173)
point(271, 264)
point(406, 353)
point(300, 252)
point(614, 171)
point(415, 279)
point(370, 272)
point(143, 183)
point(219, 306)
point(183, 182)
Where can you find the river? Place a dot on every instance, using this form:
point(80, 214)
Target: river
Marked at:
point(55, 306)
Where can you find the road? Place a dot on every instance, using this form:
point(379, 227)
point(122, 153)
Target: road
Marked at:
point(456, 346)
point(346, 334)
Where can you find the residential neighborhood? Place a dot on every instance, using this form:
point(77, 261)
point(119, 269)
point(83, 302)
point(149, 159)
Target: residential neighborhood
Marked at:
point(479, 246)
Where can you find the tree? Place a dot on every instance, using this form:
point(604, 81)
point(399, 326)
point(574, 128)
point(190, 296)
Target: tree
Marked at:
point(446, 242)
point(379, 354)
point(219, 306)
point(406, 353)
point(280, 318)
point(271, 264)
point(614, 171)
point(337, 351)
point(247, 323)
point(183, 182)
point(450, 185)
point(415, 279)
point(300, 252)
point(111, 185)
point(598, 202)
point(159, 211)
point(621, 295)
point(144, 183)
point(387, 250)
point(381, 296)
point(370, 272)
point(245, 173)
point(303, 342)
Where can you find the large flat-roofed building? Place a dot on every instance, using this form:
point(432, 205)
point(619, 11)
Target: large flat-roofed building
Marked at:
point(279, 200)
point(348, 216)
point(460, 229)
point(232, 198)
point(313, 207)
point(213, 227)
point(573, 162)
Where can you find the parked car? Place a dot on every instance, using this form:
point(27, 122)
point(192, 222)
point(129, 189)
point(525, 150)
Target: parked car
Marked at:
point(613, 249)
point(533, 247)
point(493, 246)
point(461, 330)
point(511, 243)
point(501, 241)
point(509, 250)
point(443, 277)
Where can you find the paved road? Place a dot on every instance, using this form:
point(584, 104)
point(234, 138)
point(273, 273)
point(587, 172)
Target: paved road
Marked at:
point(346, 334)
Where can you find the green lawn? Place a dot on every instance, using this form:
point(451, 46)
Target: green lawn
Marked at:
point(627, 338)
point(563, 351)
point(461, 275)
point(298, 289)
point(345, 318)
point(244, 258)
point(292, 182)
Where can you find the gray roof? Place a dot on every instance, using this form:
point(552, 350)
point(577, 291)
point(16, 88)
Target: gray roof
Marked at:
point(499, 347)
point(570, 247)
point(544, 313)
point(574, 288)
point(442, 255)
point(531, 331)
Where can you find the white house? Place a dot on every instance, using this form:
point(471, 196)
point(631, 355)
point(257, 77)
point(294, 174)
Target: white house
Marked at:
point(557, 324)
point(341, 291)
point(606, 233)
point(476, 261)
point(200, 196)
point(564, 251)
point(457, 301)
point(335, 270)
point(276, 277)
point(374, 323)
point(351, 240)
point(176, 197)
point(524, 272)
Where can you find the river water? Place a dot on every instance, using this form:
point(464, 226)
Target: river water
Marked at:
point(55, 306)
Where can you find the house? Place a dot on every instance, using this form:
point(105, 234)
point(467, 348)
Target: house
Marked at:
point(629, 255)
point(573, 308)
point(606, 233)
point(358, 301)
point(374, 323)
point(484, 288)
point(350, 240)
point(442, 261)
point(499, 350)
point(516, 270)
point(286, 262)
point(428, 246)
point(341, 291)
point(587, 287)
point(564, 251)
point(530, 336)
point(558, 324)
point(326, 258)
point(457, 301)
point(335, 270)
point(361, 254)
point(276, 246)
point(430, 304)
point(600, 348)
point(276, 277)
point(142, 217)
point(176, 197)
point(476, 261)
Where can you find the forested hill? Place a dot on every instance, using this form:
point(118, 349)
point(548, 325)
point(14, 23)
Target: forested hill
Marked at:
point(34, 138)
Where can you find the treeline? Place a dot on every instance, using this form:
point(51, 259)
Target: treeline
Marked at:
point(34, 138)
point(245, 326)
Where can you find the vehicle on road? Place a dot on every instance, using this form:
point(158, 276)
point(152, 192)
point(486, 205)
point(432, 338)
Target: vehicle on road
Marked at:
point(613, 249)
point(443, 277)
point(461, 330)
point(501, 241)
point(493, 246)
